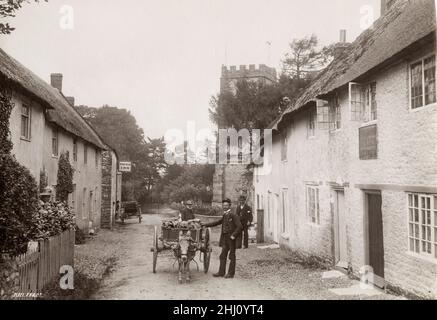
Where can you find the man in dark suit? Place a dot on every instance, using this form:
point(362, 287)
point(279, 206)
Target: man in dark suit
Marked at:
point(187, 213)
point(245, 213)
point(231, 230)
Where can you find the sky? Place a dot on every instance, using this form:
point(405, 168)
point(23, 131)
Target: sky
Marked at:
point(161, 59)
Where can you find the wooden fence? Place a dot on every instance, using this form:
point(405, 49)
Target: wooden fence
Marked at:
point(39, 266)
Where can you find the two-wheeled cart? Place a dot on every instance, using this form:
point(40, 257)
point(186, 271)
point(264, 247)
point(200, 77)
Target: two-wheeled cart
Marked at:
point(185, 243)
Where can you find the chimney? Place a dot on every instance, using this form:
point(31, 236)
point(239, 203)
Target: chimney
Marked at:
point(56, 81)
point(342, 36)
point(342, 45)
point(70, 100)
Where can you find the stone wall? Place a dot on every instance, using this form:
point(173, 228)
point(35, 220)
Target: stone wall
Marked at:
point(106, 221)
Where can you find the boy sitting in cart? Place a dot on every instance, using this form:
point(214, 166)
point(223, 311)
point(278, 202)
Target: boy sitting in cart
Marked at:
point(187, 213)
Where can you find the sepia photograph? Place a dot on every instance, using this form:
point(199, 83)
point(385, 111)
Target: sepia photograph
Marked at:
point(216, 155)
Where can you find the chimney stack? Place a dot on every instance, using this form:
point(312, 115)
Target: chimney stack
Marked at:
point(70, 100)
point(342, 36)
point(56, 81)
point(341, 45)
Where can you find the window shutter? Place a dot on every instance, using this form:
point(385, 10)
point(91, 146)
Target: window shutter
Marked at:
point(356, 101)
point(323, 115)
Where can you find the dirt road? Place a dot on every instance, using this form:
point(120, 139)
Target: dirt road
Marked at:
point(261, 274)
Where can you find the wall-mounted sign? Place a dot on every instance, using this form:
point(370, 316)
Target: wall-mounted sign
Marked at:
point(369, 143)
point(125, 166)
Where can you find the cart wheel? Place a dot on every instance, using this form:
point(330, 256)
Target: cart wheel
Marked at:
point(207, 251)
point(155, 248)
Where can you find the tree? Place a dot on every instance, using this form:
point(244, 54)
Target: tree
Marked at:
point(8, 9)
point(119, 129)
point(193, 183)
point(304, 58)
point(253, 105)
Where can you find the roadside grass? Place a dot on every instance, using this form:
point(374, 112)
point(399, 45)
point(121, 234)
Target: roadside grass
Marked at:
point(84, 285)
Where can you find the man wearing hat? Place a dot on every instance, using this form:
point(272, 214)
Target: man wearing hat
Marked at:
point(246, 217)
point(231, 230)
point(187, 213)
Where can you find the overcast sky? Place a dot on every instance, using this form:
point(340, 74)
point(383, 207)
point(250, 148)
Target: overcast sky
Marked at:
point(162, 59)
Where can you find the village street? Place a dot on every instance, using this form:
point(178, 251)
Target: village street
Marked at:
point(261, 273)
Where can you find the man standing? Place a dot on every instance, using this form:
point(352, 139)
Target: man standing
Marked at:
point(187, 213)
point(231, 230)
point(245, 213)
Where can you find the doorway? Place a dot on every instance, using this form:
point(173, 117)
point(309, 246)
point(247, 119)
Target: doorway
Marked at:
point(340, 232)
point(375, 237)
point(91, 208)
point(276, 219)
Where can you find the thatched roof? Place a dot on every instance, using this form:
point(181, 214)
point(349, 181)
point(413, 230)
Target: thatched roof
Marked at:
point(59, 111)
point(406, 23)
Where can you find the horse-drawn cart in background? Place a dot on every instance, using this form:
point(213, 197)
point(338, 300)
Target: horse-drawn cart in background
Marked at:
point(130, 209)
point(185, 238)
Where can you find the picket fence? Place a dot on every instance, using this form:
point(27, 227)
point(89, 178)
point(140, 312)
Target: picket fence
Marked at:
point(40, 265)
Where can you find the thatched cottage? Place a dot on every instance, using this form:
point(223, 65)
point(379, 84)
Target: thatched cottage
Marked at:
point(43, 125)
point(354, 175)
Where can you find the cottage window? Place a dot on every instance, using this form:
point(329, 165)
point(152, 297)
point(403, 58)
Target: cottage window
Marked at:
point(75, 150)
point(312, 124)
point(335, 114)
point(97, 157)
point(329, 114)
point(312, 196)
point(422, 218)
point(423, 83)
point(323, 119)
point(84, 201)
point(362, 102)
point(25, 122)
point(85, 154)
point(55, 142)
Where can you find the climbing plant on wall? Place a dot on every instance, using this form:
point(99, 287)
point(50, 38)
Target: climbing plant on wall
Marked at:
point(65, 177)
point(18, 188)
point(6, 107)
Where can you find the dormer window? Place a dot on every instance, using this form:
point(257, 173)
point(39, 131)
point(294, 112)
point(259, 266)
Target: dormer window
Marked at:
point(362, 102)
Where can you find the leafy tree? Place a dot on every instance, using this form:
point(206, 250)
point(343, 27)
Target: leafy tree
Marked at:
point(188, 182)
point(253, 105)
point(119, 129)
point(8, 9)
point(304, 58)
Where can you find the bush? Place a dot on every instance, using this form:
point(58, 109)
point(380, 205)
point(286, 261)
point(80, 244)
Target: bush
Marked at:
point(51, 219)
point(65, 177)
point(208, 210)
point(19, 202)
point(80, 236)
point(203, 210)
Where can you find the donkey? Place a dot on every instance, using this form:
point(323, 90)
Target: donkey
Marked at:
point(184, 253)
